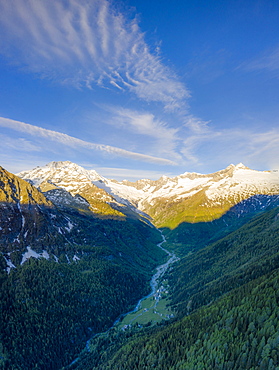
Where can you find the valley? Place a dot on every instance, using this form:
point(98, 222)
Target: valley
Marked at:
point(152, 308)
point(149, 310)
point(164, 269)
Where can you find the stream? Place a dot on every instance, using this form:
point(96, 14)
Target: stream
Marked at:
point(154, 284)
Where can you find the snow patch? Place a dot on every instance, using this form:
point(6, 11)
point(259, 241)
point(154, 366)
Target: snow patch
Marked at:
point(70, 226)
point(55, 258)
point(45, 255)
point(10, 265)
point(30, 253)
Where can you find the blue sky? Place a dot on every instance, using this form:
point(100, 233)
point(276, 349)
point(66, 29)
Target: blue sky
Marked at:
point(136, 88)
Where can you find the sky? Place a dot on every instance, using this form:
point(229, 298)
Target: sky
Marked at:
point(139, 89)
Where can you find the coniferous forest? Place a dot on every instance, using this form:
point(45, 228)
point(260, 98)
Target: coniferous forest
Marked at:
point(226, 297)
point(50, 309)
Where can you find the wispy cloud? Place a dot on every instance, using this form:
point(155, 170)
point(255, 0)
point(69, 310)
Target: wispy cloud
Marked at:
point(87, 43)
point(18, 144)
point(268, 62)
point(75, 142)
point(234, 145)
point(195, 124)
point(164, 138)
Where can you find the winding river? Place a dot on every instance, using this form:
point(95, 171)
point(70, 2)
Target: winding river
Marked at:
point(154, 284)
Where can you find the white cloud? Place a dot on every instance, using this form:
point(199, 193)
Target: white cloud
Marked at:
point(75, 142)
point(86, 43)
point(195, 124)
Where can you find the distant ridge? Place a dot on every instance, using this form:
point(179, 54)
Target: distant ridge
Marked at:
point(169, 201)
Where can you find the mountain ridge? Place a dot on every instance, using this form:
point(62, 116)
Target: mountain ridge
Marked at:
point(189, 197)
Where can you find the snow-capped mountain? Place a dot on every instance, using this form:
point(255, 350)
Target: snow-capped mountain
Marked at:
point(28, 218)
point(70, 185)
point(66, 175)
point(61, 225)
point(190, 197)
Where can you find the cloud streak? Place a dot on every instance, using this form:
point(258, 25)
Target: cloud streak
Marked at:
point(87, 43)
point(268, 62)
point(251, 147)
point(164, 138)
point(73, 142)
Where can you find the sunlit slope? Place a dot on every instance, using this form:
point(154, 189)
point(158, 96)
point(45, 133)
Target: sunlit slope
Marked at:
point(194, 236)
point(15, 190)
point(197, 208)
point(26, 216)
point(70, 185)
point(190, 197)
point(202, 198)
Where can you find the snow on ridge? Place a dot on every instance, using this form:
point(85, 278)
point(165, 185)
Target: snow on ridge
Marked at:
point(70, 226)
point(244, 180)
point(73, 178)
point(59, 171)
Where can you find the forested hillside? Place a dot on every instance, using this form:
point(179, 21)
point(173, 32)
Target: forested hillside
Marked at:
point(69, 267)
point(194, 236)
point(49, 310)
point(227, 302)
point(65, 275)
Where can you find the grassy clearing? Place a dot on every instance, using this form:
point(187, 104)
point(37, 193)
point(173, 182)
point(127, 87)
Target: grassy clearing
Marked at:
point(152, 310)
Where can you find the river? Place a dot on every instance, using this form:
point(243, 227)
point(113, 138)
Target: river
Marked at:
point(154, 284)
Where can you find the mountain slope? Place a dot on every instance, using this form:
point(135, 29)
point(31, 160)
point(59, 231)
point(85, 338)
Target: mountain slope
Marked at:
point(226, 297)
point(79, 183)
point(190, 197)
point(194, 236)
point(65, 273)
point(32, 225)
point(80, 265)
point(27, 217)
point(201, 198)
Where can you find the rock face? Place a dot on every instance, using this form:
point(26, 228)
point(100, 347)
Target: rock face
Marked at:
point(190, 197)
point(15, 190)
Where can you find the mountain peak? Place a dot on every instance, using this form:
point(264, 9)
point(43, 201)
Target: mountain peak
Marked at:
point(241, 166)
point(232, 168)
point(58, 164)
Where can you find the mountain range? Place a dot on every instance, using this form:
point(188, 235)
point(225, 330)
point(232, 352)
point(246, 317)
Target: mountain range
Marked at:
point(48, 206)
point(77, 250)
point(190, 197)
